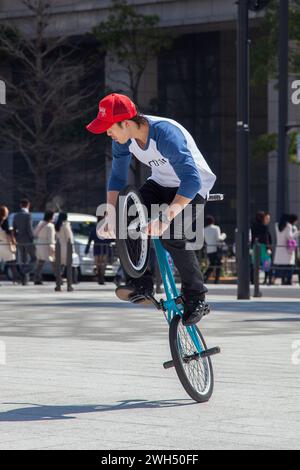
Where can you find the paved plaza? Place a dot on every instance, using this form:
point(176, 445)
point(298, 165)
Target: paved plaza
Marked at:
point(83, 370)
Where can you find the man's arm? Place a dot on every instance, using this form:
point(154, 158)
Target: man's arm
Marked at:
point(106, 227)
point(112, 197)
point(172, 144)
point(117, 181)
point(120, 166)
point(178, 204)
point(29, 227)
point(157, 228)
point(15, 226)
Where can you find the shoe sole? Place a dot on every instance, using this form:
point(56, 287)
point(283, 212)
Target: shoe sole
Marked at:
point(192, 322)
point(197, 319)
point(123, 293)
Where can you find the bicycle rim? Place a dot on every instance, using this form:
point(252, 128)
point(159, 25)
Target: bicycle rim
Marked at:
point(132, 244)
point(195, 373)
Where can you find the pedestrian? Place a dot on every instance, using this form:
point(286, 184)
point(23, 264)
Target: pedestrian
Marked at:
point(285, 253)
point(260, 234)
point(180, 177)
point(293, 220)
point(101, 251)
point(267, 262)
point(22, 225)
point(45, 245)
point(64, 234)
point(213, 239)
point(7, 243)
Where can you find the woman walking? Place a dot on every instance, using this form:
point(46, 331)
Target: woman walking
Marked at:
point(293, 220)
point(285, 253)
point(64, 234)
point(8, 247)
point(45, 249)
point(260, 234)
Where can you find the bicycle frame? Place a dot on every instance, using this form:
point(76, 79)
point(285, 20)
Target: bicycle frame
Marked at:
point(170, 306)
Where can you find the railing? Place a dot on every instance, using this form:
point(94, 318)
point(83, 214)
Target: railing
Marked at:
point(285, 271)
point(226, 256)
point(78, 262)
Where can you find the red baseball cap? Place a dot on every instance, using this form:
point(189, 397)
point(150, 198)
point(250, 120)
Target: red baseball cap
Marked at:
point(112, 109)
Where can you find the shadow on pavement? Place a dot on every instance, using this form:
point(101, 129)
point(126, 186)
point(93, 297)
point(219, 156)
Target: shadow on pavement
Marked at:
point(256, 307)
point(85, 304)
point(275, 320)
point(35, 412)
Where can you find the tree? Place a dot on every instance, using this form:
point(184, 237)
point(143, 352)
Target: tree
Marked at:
point(47, 105)
point(264, 49)
point(264, 65)
point(132, 39)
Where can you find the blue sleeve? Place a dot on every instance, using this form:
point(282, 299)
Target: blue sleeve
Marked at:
point(172, 144)
point(120, 166)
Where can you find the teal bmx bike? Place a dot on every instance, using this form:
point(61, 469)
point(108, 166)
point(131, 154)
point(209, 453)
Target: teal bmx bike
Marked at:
point(190, 356)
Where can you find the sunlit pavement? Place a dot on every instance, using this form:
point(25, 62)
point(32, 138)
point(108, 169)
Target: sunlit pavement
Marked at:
point(83, 370)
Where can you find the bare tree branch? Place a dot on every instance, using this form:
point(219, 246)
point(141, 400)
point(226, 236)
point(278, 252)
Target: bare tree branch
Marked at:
point(41, 121)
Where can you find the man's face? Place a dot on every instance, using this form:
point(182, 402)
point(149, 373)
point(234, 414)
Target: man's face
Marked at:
point(119, 134)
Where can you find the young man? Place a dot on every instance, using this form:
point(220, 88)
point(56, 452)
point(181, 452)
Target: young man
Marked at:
point(213, 237)
point(22, 225)
point(180, 177)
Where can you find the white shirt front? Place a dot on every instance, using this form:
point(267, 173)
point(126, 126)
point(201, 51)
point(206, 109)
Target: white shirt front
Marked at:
point(213, 237)
point(172, 155)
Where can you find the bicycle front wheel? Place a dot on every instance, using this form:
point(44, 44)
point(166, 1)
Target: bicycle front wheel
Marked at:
point(195, 373)
point(132, 244)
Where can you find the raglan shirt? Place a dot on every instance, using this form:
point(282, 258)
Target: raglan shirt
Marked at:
point(172, 155)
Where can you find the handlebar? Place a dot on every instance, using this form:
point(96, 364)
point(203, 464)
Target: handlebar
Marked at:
point(215, 197)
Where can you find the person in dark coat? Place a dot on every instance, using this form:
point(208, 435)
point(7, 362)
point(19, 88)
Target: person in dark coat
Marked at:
point(22, 225)
point(101, 252)
point(260, 233)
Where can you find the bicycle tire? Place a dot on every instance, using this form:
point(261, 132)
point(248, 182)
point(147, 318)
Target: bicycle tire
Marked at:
point(178, 333)
point(134, 260)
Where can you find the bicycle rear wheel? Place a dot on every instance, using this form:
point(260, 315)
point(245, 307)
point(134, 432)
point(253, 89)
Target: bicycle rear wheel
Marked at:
point(132, 244)
point(194, 372)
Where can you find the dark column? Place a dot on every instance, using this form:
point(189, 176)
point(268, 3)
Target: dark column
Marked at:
point(282, 161)
point(243, 191)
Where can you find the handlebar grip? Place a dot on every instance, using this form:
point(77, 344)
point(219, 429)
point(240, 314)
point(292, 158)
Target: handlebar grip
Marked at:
point(215, 197)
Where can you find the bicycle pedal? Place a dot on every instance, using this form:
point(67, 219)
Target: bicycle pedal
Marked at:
point(140, 299)
point(179, 300)
point(210, 352)
point(155, 302)
point(168, 364)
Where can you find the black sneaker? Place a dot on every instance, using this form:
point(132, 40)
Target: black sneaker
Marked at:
point(194, 309)
point(136, 291)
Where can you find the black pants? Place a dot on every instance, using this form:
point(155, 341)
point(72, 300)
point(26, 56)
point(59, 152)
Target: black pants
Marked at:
point(215, 261)
point(185, 260)
point(25, 252)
